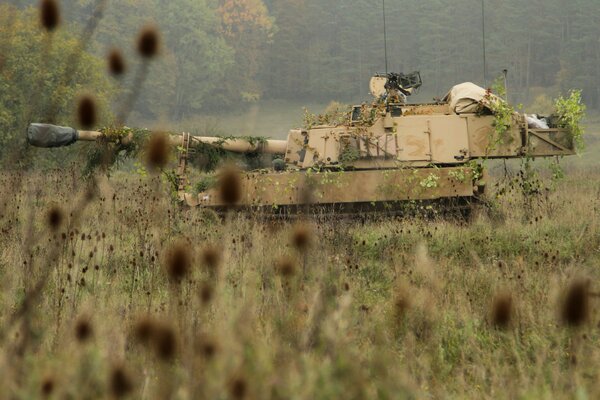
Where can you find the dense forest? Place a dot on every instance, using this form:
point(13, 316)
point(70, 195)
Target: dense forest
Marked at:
point(225, 54)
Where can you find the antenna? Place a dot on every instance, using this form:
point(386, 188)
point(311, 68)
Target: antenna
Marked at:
point(385, 38)
point(505, 73)
point(483, 33)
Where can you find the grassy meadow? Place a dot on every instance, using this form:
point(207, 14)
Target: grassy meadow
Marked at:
point(115, 292)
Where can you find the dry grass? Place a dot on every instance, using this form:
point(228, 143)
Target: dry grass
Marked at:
point(389, 309)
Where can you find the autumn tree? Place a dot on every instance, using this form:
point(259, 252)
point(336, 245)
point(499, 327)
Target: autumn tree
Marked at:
point(248, 28)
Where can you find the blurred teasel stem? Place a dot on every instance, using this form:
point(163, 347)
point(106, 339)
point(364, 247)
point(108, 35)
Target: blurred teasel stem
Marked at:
point(72, 63)
point(148, 46)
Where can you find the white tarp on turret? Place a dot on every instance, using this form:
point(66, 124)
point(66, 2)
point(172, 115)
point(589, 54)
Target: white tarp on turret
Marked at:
point(468, 98)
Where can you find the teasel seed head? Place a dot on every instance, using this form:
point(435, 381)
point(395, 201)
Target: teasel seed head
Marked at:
point(165, 342)
point(301, 237)
point(83, 329)
point(238, 388)
point(143, 330)
point(285, 267)
point(576, 304)
point(86, 112)
point(207, 347)
point(116, 62)
point(49, 14)
point(179, 261)
point(230, 186)
point(157, 151)
point(402, 302)
point(120, 382)
point(206, 293)
point(148, 43)
point(502, 311)
point(211, 258)
point(55, 218)
point(47, 387)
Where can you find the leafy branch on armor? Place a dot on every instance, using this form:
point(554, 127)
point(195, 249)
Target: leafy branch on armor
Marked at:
point(571, 111)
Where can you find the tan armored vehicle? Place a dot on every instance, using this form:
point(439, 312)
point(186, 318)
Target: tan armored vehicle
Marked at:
point(384, 156)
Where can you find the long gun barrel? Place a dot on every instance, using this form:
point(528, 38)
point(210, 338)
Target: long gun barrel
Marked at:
point(47, 136)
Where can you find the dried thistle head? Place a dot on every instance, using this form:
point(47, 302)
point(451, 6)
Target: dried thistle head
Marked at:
point(285, 267)
point(120, 384)
point(301, 237)
point(54, 218)
point(576, 304)
point(86, 112)
point(157, 151)
point(116, 62)
point(49, 14)
point(230, 186)
point(148, 43)
point(83, 329)
point(502, 311)
point(178, 262)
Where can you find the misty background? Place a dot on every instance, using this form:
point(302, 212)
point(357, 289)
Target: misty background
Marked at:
point(249, 66)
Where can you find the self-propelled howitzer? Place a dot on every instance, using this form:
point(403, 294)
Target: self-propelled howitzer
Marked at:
point(383, 156)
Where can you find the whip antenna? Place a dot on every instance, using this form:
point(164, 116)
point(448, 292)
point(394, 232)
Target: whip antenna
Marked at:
point(483, 34)
point(385, 39)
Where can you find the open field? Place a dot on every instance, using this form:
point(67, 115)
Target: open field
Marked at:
point(94, 307)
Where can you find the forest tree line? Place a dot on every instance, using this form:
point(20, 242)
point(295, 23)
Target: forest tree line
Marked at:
point(225, 54)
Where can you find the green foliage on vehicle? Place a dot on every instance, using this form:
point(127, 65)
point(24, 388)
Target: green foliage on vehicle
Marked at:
point(349, 155)
point(431, 181)
point(571, 112)
point(205, 183)
point(335, 114)
point(502, 110)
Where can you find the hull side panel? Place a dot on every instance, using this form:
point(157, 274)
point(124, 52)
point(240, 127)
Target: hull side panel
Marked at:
point(373, 186)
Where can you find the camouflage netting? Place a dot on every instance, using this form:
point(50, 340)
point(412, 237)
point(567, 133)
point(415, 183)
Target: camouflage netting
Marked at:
point(114, 149)
point(122, 143)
